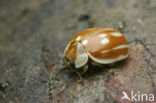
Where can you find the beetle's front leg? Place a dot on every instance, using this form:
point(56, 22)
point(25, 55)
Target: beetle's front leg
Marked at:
point(85, 68)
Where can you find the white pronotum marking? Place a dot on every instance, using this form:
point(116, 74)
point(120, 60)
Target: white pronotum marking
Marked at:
point(116, 34)
point(81, 56)
point(105, 41)
point(81, 60)
point(84, 42)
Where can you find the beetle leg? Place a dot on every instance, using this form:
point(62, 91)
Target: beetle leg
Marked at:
point(80, 77)
point(112, 65)
point(109, 71)
point(85, 68)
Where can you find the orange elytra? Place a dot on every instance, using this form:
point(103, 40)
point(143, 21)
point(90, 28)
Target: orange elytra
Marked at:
point(99, 45)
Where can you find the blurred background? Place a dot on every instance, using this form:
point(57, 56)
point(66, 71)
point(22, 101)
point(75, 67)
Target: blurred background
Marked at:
point(34, 33)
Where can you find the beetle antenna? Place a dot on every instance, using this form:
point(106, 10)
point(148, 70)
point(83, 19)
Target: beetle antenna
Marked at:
point(58, 59)
point(57, 55)
point(80, 77)
point(49, 67)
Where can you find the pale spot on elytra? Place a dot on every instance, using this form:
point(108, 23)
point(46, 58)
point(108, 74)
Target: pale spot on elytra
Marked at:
point(102, 35)
point(104, 41)
point(78, 38)
point(105, 51)
point(84, 42)
point(116, 34)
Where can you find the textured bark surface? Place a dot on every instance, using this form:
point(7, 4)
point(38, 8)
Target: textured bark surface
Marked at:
point(34, 33)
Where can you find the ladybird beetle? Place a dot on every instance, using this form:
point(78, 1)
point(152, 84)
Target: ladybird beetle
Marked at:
point(96, 46)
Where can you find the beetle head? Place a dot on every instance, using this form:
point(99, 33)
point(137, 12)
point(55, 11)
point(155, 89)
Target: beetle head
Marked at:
point(75, 56)
point(69, 63)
